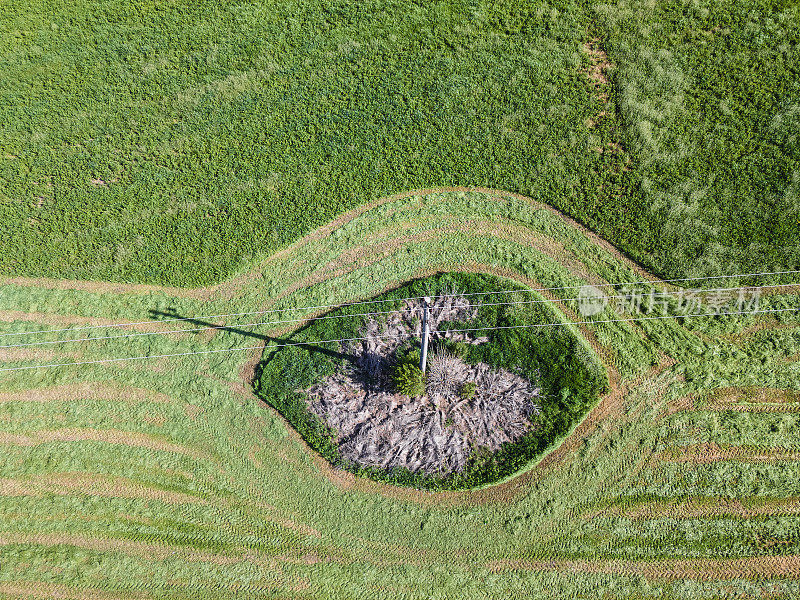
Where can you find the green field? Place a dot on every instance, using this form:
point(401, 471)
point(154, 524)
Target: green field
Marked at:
point(272, 157)
point(133, 129)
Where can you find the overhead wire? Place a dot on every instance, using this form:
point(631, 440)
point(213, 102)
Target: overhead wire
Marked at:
point(311, 319)
point(342, 305)
point(311, 342)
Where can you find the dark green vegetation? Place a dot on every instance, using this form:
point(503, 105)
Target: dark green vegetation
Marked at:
point(707, 97)
point(174, 142)
point(571, 375)
point(407, 376)
point(217, 130)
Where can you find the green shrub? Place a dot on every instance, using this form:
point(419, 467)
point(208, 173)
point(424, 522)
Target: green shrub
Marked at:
point(408, 378)
point(460, 349)
point(467, 391)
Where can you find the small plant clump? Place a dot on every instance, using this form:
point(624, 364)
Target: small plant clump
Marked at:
point(443, 368)
point(467, 391)
point(408, 378)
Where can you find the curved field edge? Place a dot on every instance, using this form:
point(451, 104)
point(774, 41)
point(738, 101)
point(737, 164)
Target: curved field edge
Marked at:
point(233, 285)
point(262, 493)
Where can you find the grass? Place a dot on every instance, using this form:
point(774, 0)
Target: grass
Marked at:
point(135, 129)
point(131, 130)
point(272, 520)
point(261, 123)
point(707, 97)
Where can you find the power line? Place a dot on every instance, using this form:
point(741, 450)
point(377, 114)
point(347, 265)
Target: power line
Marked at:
point(311, 319)
point(306, 343)
point(324, 306)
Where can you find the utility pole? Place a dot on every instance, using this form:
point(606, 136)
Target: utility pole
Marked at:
point(423, 359)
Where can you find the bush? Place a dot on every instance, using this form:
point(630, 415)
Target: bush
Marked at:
point(409, 379)
point(460, 349)
point(467, 391)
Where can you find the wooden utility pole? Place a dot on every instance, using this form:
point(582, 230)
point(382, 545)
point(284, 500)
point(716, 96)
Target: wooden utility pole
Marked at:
point(423, 359)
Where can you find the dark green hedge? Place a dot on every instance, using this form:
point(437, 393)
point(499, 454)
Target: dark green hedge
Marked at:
point(571, 376)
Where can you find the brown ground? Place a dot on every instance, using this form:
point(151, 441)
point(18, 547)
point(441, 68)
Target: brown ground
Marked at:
point(700, 508)
point(597, 74)
point(754, 395)
point(599, 67)
point(41, 590)
point(73, 392)
point(111, 436)
point(707, 569)
point(70, 484)
point(741, 399)
point(711, 452)
point(435, 432)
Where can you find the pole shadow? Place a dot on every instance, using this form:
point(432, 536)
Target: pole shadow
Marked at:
point(171, 313)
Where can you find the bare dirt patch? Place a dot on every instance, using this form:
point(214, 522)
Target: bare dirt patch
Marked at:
point(754, 395)
point(684, 403)
point(600, 64)
point(740, 399)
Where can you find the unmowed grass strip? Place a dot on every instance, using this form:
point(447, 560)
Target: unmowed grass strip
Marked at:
point(108, 162)
point(707, 98)
point(483, 94)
